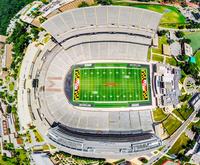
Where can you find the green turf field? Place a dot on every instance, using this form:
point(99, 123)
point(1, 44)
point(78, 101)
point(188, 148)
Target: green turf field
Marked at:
point(197, 55)
point(111, 84)
point(194, 37)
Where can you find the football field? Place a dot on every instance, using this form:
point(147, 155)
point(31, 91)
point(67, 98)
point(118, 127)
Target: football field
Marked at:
point(111, 84)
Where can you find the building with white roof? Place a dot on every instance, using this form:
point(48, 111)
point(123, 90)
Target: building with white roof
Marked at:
point(187, 49)
point(166, 87)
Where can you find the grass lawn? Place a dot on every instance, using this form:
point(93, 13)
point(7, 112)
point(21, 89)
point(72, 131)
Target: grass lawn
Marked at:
point(45, 147)
point(171, 15)
point(171, 124)
point(83, 160)
point(11, 86)
point(177, 147)
point(197, 124)
point(158, 58)
point(190, 125)
point(171, 61)
point(46, 39)
point(184, 112)
point(149, 54)
point(52, 147)
point(111, 84)
point(28, 137)
point(159, 115)
point(38, 136)
point(23, 156)
point(195, 42)
point(162, 40)
point(161, 148)
point(21, 159)
point(7, 79)
point(161, 160)
point(197, 55)
point(178, 114)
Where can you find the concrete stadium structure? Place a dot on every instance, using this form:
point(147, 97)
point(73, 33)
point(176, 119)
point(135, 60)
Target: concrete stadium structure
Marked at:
point(90, 35)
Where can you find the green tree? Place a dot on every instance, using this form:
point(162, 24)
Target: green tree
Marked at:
point(183, 57)
point(20, 39)
point(42, 19)
point(170, 41)
point(104, 2)
point(8, 9)
point(181, 26)
point(182, 157)
point(14, 109)
point(162, 32)
point(9, 109)
point(35, 31)
point(179, 34)
point(185, 40)
point(4, 157)
point(83, 4)
point(45, 1)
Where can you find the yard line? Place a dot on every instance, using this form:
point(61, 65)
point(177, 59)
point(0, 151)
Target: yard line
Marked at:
point(127, 88)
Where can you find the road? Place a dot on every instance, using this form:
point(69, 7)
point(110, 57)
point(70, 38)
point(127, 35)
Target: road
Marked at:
point(169, 142)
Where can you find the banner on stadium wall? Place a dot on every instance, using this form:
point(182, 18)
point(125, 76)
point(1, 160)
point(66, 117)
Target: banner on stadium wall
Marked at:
point(144, 85)
point(76, 85)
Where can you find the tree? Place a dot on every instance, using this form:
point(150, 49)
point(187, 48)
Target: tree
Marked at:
point(9, 109)
point(8, 9)
point(184, 4)
point(179, 34)
point(183, 57)
point(185, 40)
point(191, 69)
point(42, 19)
point(35, 31)
point(5, 69)
point(195, 1)
point(198, 114)
point(4, 157)
point(181, 26)
point(196, 129)
point(20, 39)
point(83, 4)
point(190, 144)
point(192, 24)
point(170, 41)
point(35, 13)
point(104, 2)
point(184, 98)
point(14, 109)
point(182, 157)
point(144, 0)
point(143, 160)
point(162, 32)
point(45, 1)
